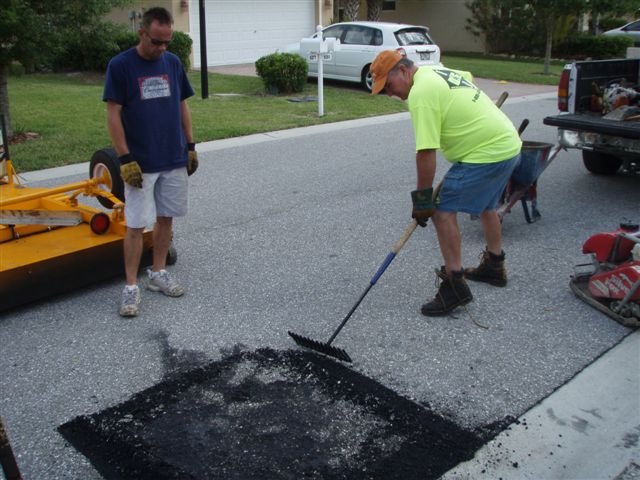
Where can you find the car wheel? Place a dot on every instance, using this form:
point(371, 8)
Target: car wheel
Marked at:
point(367, 80)
point(106, 160)
point(601, 163)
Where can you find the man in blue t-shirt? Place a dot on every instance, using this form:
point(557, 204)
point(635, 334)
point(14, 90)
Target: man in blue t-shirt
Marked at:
point(149, 121)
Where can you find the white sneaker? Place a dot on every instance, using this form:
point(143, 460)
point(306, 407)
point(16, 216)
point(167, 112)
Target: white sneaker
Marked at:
point(130, 301)
point(163, 282)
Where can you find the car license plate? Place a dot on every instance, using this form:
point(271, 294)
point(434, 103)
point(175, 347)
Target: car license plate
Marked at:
point(424, 55)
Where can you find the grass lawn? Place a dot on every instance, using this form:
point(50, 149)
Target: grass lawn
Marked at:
point(502, 68)
point(67, 112)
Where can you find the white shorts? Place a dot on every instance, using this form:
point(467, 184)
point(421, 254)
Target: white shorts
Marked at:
point(163, 194)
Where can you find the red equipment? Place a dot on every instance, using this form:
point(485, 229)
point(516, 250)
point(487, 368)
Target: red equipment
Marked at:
point(611, 283)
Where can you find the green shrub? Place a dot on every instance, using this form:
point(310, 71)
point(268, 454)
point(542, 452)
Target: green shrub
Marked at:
point(282, 72)
point(92, 47)
point(590, 46)
point(126, 40)
point(181, 46)
point(16, 69)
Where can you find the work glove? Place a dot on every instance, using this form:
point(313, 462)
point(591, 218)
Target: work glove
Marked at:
point(130, 170)
point(192, 161)
point(423, 207)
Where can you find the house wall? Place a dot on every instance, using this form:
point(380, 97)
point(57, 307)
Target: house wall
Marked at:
point(180, 11)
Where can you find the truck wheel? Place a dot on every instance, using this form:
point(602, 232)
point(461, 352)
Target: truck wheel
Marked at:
point(601, 163)
point(106, 160)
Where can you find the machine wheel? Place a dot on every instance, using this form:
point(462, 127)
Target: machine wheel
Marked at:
point(106, 160)
point(367, 79)
point(601, 163)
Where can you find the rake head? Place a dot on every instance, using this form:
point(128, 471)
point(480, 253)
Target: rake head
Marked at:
point(324, 348)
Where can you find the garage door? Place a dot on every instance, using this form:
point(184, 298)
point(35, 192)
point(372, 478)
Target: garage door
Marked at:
point(241, 31)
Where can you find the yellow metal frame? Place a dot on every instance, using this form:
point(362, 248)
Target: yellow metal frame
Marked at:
point(41, 259)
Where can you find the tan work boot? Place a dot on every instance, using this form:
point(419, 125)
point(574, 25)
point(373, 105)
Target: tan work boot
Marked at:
point(452, 293)
point(491, 270)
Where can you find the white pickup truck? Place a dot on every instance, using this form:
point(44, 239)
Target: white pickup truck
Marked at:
point(600, 105)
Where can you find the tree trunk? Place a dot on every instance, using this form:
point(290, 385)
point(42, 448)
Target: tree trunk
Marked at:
point(374, 8)
point(547, 50)
point(4, 98)
point(351, 10)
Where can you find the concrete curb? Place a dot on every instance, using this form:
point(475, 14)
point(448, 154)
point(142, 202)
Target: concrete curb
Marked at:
point(83, 168)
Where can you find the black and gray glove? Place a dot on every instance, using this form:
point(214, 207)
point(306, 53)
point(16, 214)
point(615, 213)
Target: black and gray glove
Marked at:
point(423, 207)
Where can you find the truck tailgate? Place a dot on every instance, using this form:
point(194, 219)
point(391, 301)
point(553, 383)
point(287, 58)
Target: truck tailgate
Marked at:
point(628, 129)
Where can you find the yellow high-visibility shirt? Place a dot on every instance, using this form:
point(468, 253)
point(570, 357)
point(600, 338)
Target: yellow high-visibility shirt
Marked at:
point(450, 113)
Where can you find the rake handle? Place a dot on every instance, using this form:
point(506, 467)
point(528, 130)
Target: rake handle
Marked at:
point(394, 251)
point(387, 261)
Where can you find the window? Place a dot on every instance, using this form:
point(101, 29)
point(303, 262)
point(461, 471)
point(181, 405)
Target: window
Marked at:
point(633, 27)
point(413, 36)
point(333, 32)
point(358, 36)
point(389, 5)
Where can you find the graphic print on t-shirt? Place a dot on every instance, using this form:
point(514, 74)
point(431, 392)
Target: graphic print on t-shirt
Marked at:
point(154, 87)
point(454, 80)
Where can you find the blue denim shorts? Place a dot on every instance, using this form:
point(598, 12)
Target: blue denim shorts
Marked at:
point(475, 187)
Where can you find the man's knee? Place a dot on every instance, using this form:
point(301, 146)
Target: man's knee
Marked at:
point(441, 218)
point(134, 232)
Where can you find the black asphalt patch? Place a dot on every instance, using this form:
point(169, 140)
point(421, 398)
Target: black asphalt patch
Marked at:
point(271, 415)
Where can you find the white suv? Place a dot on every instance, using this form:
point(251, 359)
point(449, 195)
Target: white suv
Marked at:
point(360, 42)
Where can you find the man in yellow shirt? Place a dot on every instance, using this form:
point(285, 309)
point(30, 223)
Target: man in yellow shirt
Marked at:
point(450, 113)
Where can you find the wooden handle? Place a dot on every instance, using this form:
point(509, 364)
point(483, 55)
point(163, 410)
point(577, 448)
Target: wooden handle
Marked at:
point(405, 236)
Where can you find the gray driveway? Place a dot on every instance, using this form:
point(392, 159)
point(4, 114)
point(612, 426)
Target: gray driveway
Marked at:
point(284, 234)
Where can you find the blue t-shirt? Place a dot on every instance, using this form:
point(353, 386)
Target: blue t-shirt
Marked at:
point(150, 92)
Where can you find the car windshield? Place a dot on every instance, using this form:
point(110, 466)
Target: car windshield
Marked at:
point(633, 27)
point(413, 36)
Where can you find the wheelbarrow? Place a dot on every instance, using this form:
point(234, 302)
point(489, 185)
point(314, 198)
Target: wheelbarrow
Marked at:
point(535, 157)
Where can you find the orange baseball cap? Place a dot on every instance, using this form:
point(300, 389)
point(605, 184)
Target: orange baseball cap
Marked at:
point(380, 68)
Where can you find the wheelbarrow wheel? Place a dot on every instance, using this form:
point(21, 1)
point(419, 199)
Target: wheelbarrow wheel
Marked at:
point(172, 256)
point(106, 160)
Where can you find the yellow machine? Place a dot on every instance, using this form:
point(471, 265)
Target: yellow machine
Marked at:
point(50, 242)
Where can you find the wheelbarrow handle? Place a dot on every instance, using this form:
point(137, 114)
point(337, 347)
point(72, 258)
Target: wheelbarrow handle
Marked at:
point(522, 126)
point(501, 99)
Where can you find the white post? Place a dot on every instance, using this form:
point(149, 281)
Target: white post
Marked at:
point(320, 87)
point(320, 80)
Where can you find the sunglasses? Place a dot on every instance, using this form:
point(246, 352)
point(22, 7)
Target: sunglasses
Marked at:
point(157, 42)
